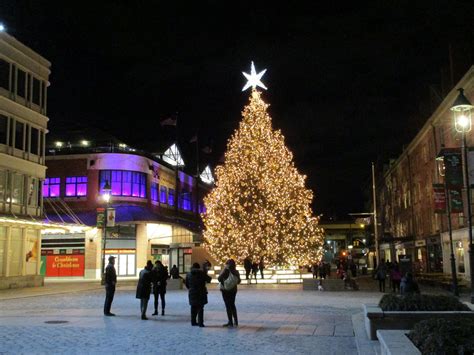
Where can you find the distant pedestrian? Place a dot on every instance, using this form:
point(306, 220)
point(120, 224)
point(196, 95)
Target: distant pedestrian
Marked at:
point(247, 266)
point(174, 272)
point(408, 285)
point(396, 277)
point(110, 282)
point(261, 267)
point(353, 268)
point(322, 271)
point(160, 281)
point(314, 270)
point(144, 288)
point(196, 281)
point(206, 266)
point(229, 279)
point(381, 275)
point(254, 271)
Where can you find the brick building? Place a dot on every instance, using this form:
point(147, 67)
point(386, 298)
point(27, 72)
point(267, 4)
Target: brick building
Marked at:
point(409, 225)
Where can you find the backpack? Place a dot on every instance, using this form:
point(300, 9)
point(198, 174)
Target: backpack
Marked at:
point(231, 282)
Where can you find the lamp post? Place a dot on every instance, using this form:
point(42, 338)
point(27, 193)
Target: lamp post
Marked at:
point(462, 122)
point(441, 170)
point(106, 193)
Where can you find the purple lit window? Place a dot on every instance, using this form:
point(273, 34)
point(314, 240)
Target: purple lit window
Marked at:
point(154, 191)
point(185, 201)
point(51, 187)
point(163, 193)
point(76, 186)
point(202, 208)
point(124, 183)
point(171, 197)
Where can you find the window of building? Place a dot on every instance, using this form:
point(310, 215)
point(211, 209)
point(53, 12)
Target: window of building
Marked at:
point(3, 129)
point(41, 137)
point(33, 192)
point(3, 242)
point(36, 91)
point(19, 130)
point(171, 197)
point(34, 140)
point(15, 257)
point(76, 186)
point(4, 74)
point(154, 191)
point(124, 183)
point(202, 208)
point(43, 95)
point(18, 187)
point(185, 201)
point(51, 187)
point(163, 194)
point(21, 83)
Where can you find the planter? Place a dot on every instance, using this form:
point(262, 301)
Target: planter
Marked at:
point(375, 318)
point(396, 342)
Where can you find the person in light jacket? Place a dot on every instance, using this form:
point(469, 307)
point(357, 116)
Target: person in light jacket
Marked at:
point(229, 295)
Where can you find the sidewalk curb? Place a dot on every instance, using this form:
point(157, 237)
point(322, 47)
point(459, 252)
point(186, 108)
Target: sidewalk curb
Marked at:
point(365, 346)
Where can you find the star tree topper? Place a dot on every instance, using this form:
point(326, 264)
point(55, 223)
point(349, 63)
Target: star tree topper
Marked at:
point(253, 79)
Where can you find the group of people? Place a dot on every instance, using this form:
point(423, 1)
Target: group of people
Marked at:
point(399, 283)
point(153, 278)
point(253, 268)
point(321, 269)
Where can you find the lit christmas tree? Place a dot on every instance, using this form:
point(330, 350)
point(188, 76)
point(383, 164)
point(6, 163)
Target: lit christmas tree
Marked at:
point(260, 206)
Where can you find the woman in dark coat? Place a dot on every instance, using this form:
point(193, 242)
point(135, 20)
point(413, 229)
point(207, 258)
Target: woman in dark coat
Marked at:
point(196, 284)
point(144, 288)
point(229, 294)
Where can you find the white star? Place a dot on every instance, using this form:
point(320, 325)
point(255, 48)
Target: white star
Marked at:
point(253, 79)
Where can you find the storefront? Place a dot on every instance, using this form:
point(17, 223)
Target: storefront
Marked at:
point(63, 255)
point(461, 252)
point(121, 243)
point(420, 256)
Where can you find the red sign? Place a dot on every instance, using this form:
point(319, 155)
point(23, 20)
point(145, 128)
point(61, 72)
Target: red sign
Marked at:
point(439, 198)
point(64, 265)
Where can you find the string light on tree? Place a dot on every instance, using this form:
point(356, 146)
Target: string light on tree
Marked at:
point(260, 206)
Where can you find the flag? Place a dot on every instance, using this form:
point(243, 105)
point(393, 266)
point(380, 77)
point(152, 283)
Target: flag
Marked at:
point(194, 139)
point(207, 149)
point(170, 121)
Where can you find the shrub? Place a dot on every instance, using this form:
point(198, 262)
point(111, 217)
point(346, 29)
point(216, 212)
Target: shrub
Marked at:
point(441, 336)
point(421, 303)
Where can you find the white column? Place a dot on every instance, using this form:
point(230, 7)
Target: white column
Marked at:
point(6, 265)
point(23, 252)
point(38, 252)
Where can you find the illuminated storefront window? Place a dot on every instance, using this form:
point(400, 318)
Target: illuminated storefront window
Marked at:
point(76, 186)
point(124, 183)
point(51, 187)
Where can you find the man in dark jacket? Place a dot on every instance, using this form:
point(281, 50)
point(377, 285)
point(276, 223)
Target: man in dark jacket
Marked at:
point(174, 272)
point(196, 284)
point(110, 282)
point(144, 288)
point(159, 276)
point(247, 266)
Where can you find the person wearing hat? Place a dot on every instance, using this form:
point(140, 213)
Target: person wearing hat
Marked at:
point(110, 281)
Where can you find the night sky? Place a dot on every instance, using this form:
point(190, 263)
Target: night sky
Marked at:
point(348, 83)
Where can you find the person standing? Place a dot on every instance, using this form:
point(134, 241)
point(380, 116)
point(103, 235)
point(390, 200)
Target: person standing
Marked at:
point(196, 281)
point(206, 266)
point(254, 271)
point(396, 277)
point(110, 282)
point(144, 288)
point(229, 279)
point(247, 266)
point(314, 270)
point(159, 280)
point(381, 275)
point(261, 266)
point(174, 272)
point(408, 285)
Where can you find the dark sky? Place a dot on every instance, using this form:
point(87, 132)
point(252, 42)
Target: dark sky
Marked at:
point(348, 83)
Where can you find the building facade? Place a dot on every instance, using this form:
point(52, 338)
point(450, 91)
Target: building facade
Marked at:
point(153, 212)
point(23, 125)
point(410, 226)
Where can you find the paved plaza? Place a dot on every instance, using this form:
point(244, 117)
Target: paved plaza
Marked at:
point(273, 319)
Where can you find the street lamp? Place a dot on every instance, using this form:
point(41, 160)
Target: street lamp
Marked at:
point(462, 122)
point(106, 193)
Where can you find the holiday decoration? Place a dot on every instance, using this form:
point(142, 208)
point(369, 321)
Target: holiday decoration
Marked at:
point(260, 206)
